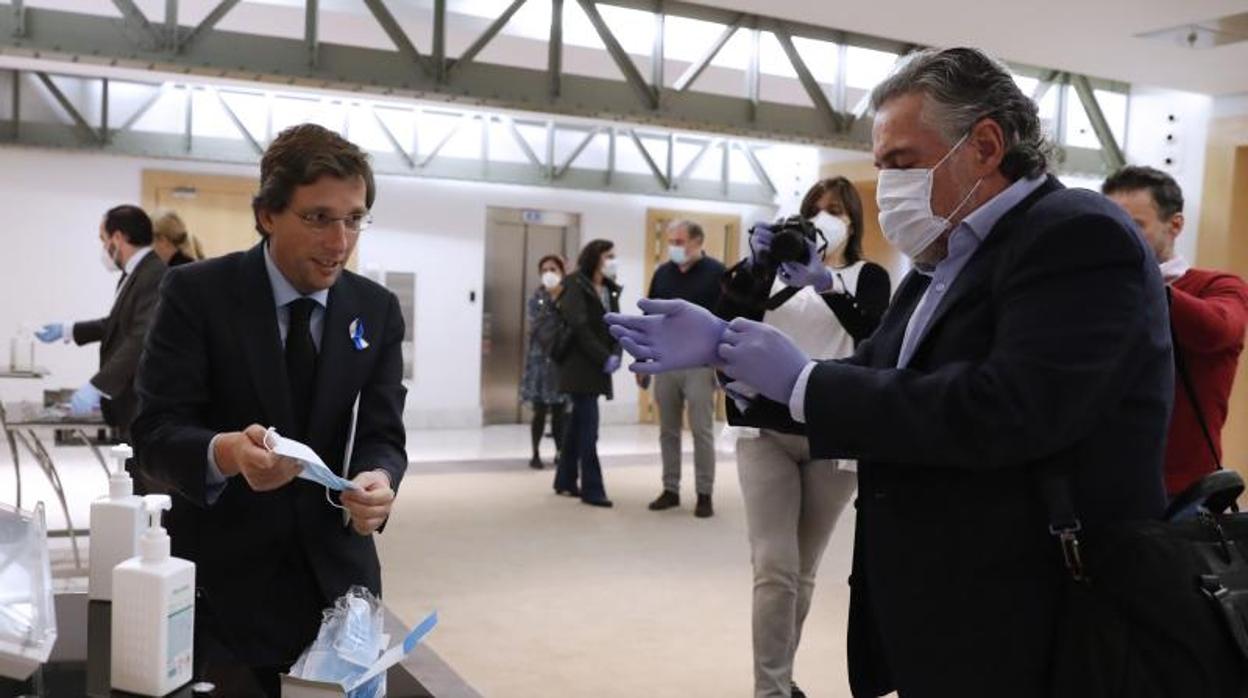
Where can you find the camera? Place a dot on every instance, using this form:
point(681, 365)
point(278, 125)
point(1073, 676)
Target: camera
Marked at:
point(747, 285)
point(790, 242)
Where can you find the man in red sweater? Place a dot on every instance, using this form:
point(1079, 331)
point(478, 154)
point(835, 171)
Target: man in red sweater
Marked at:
point(1208, 313)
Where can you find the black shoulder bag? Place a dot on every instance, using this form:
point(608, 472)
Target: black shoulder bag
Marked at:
point(1155, 609)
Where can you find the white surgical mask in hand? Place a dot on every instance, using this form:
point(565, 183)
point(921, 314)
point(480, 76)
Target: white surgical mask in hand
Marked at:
point(551, 280)
point(314, 469)
point(905, 200)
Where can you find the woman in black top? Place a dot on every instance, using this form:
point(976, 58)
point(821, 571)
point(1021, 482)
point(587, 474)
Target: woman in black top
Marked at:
point(585, 372)
point(172, 242)
point(792, 501)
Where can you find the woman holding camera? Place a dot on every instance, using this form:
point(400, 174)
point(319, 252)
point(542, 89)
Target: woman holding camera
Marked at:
point(827, 299)
point(585, 372)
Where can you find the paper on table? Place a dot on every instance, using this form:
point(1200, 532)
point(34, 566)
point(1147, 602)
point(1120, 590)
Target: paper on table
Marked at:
point(314, 469)
point(395, 654)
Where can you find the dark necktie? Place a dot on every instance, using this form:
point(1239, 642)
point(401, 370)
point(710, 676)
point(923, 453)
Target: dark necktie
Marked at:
point(122, 280)
point(301, 362)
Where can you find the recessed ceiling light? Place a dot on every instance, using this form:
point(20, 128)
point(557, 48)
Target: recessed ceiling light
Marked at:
point(1208, 34)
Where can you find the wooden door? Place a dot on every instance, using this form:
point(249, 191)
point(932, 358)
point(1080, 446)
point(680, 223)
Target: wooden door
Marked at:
point(216, 208)
point(875, 247)
point(723, 237)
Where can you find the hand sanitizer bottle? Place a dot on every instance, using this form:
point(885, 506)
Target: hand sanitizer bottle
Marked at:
point(153, 613)
point(116, 522)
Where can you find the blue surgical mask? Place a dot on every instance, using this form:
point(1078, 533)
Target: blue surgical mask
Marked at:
point(677, 254)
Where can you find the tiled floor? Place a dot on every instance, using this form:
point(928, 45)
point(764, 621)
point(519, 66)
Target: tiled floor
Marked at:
point(541, 596)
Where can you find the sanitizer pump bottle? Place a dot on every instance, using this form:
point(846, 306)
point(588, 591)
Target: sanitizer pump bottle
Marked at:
point(116, 522)
point(153, 625)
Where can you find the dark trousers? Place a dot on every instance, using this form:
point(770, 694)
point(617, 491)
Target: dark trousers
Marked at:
point(538, 428)
point(580, 450)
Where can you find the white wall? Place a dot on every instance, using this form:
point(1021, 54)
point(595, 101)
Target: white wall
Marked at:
point(432, 228)
point(1153, 136)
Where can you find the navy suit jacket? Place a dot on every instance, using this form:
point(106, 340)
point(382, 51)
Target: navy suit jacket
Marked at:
point(1051, 350)
point(267, 562)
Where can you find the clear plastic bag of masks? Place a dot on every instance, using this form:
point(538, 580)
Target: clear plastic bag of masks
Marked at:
point(27, 611)
point(349, 642)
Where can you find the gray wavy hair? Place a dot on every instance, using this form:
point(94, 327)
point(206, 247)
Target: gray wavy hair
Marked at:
point(964, 86)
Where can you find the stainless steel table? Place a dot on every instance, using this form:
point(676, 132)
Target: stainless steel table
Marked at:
point(79, 665)
point(22, 423)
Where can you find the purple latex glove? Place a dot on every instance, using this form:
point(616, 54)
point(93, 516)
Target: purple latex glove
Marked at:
point(761, 236)
point(762, 357)
point(814, 273)
point(670, 336)
point(612, 365)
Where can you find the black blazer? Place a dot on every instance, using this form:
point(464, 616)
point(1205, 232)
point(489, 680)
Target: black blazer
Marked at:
point(1051, 350)
point(581, 372)
point(120, 335)
point(267, 563)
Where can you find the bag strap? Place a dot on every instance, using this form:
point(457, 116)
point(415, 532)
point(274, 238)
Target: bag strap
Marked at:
point(1064, 524)
point(781, 298)
point(1181, 366)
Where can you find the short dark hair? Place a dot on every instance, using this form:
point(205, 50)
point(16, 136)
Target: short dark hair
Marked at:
point(133, 223)
point(301, 155)
point(965, 86)
point(552, 258)
point(851, 203)
point(695, 231)
point(591, 256)
point(1166, 193)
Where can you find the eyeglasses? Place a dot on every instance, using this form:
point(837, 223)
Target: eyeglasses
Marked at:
point(354, 222)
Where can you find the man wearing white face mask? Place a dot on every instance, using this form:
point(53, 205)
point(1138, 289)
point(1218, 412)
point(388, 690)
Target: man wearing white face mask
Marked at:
point(125, 246)
point(692, 276)
point(1014, 399)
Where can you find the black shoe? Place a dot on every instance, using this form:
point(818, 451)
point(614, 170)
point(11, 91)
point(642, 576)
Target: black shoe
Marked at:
point(704, 510)
point(574, 492)
point(536, 463)
point(604, 503)
point(795, 692)
point(667, 500)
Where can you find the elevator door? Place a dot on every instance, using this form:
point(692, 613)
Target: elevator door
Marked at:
point(514, 242)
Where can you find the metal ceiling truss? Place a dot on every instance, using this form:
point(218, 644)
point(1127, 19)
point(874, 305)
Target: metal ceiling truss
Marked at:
point(71, 128)
point(133, 41)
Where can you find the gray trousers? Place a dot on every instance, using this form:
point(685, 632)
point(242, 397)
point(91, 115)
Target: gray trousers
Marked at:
point(791, 505)
point(672, 391)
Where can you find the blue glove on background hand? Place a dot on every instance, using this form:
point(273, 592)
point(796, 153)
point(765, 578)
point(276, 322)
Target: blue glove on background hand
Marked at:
point(762, 357)
point(761, 235)
point(85, 400)
point(50, 333)
point(672, 335)
point(612, 365)
point(813, 273)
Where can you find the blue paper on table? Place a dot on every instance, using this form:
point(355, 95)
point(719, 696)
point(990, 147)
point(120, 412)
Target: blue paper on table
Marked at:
point(395, 654)
point(314, 469)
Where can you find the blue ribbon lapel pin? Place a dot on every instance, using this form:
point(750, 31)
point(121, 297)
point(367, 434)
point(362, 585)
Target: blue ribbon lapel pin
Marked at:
point(356, 330)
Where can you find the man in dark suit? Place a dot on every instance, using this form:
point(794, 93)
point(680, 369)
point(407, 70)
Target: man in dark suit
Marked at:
point(279, 336)
point(1031, 337)
point(126, 237)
